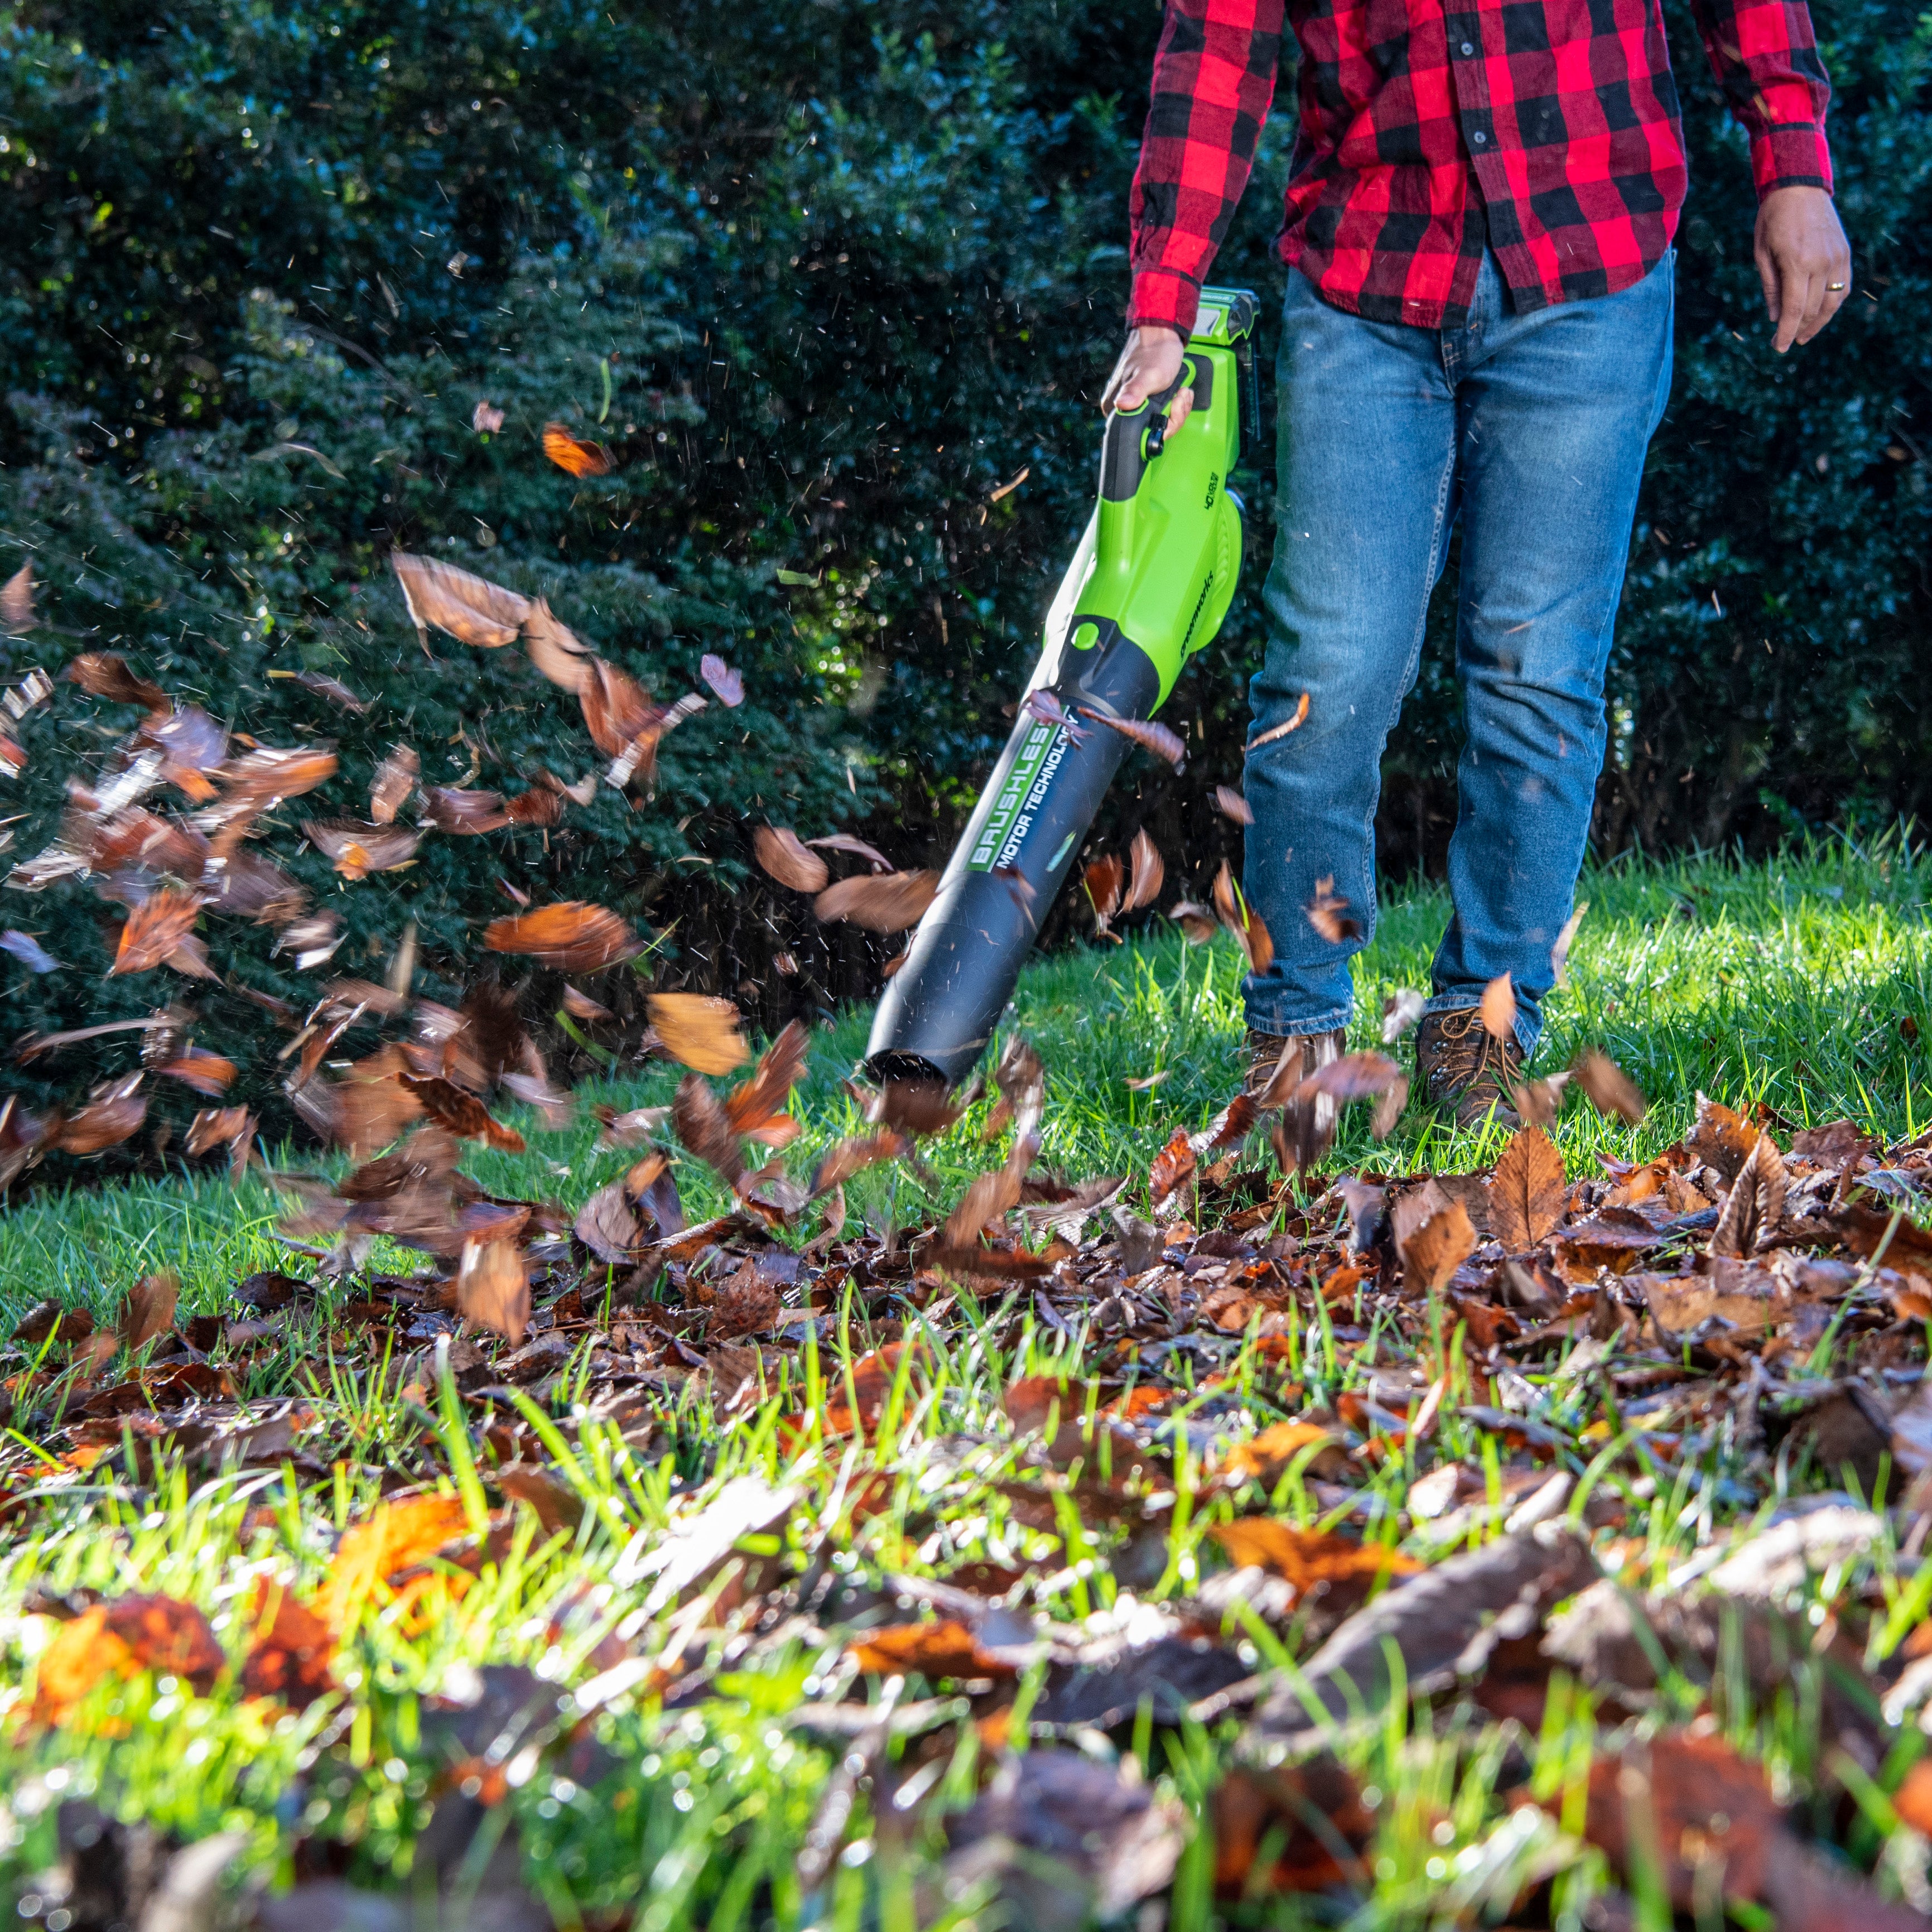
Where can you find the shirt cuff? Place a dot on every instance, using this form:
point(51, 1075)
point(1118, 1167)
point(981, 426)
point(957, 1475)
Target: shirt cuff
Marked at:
point(1164, 298)
point(1793, 155)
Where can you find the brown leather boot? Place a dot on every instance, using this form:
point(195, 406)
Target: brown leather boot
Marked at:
point(1467, 1069)
point(1277, 1066)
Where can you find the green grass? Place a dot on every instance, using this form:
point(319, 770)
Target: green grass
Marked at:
point(1796, 983)
point(1790, 984)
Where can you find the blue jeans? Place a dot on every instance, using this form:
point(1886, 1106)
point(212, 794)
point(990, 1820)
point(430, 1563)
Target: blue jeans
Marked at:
point(1533, 429)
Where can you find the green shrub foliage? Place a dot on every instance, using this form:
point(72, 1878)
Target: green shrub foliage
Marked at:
point(825, 278)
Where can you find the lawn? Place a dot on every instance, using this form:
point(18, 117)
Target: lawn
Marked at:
point(934, 1596)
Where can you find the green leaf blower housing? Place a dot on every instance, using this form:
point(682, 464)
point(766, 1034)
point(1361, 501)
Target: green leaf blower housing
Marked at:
point(1148, 587)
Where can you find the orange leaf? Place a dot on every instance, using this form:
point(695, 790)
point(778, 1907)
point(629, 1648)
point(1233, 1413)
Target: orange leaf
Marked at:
point(1263, 1458)
point(398, 1536)
point(1498, 1008)
point(492, 1287)
point(934, 1650)
point(82, 1652)
point(154, 928)
point(289, 1657)
point(1306, 1557)
point(570, 935)
point(573, 455)
point(698, 1031)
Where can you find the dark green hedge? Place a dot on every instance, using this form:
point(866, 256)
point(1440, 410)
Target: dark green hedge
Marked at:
point(827, 276)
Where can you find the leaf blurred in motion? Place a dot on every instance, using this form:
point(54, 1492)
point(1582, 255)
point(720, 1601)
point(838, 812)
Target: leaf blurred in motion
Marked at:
point(486, 418)
point(395, 778)
point(782, 854)
point(358, 850)
point(16, 600)
point(570, 935)
point(492, 1288)
point(1233, 805)
point(154, 929)
point(756, 1108)
point(1243, 921)
point(891, 903)
point(843, 842)
point(1325, 912)
point(1497, 1010)
point(209, 1073)
point(726, 684)
point(468, 607)
point(699, 1031)
point(102, 674)
point(1144, 732)
point(463, 813)
point(31, 953)
point(1197, 922)
point(554, 650)
point(1149, 873)
point(574, 456)
point(461, 1114)
point(1608, 1088)
point(331, 688)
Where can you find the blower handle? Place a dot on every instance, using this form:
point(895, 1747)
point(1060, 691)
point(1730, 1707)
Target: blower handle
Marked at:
point(1157, 435)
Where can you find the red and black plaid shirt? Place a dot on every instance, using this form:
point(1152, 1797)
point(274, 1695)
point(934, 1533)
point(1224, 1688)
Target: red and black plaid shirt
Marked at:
point(1547, 130)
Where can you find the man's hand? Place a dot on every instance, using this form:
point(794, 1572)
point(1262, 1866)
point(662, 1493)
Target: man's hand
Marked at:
point(1804, 261)
point(1148, 365)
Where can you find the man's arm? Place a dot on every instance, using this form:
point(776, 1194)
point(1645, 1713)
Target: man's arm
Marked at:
point(1766, 61)
point(1213, 78)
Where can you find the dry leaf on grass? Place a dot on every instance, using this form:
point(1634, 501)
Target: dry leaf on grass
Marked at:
point(149, 1309)
point(1754, 1211)
point(288, 1659)
point(1433, 1237)
point(1306, 1557)
point(698, 1030)
point(935, 1650)
point(401, 1534)
point(1528, 1192)
point(784, 856)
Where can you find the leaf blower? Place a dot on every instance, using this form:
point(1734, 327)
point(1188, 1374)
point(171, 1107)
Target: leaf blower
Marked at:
point(1148, 587)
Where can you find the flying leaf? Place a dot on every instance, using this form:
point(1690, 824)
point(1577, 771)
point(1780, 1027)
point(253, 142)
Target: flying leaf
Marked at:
point(699, 1120)
point(582, 1006)
point(1610, 1089)
point(1527, 1194)
point(468, 607)
point(1149, 873)
point(395, 779)
point(16, 600)
point(28, 950)
point(698, 1030)
point(728, 684)
point(154, 929)
point(331, 688)
point(757, 1108)
point(1197, 922)
point(102, 1123)
point(486, 418)
point(1281, 730)
point(102, 674)
point(1103, 879)
point(358, 850)
point(1044, 704)
point(553, 649)
point(492, 1288)
point(1402, 1013)
point(570, 935)
point(1325, 910)
point(1559, 953)
point(1233, 805)
point(450, 809)
point(617, 710)
point(575, 456)
point(265, 773)
point(1243, 921)
point(208, 1073)
point(782, 854)
point(1144, 733)
point(460, 1114)
point(890, 904)
point(1498, 1008)
point(854, 1154)
point(843, 842)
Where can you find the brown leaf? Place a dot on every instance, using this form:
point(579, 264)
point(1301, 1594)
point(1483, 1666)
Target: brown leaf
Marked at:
point(82, 1654)
point(1721, 1137)
point(608, 1226)
point(288, 1659)
point(154, 929)
point(1144, 733)
point(1233, 805)
point(1754, 1209)
point(1351, 1076)
point(266, 773)
point(727, 684)
point(460, 1114)
point(449, 809)
point(934, 1650)
point(357, 849)
point(699, 1120)
point(1243, 921)
point(558, 1507)
point(890, 904)
point(1435, 1248)
point(553, 649)
point(756, 1108)
point(486, 418)
point(207, 1073)
point(570, 935)
point(698, 1030)
point(1608, 1087)
point(1559, 953)
point(580, 1006)
point(334, 689)
point(16, 600)
point(1306, 1557)
point(492, 1288)
point(149, 1309)
point(573, 455)
point(617, 710)
point(102, 1124)
point(989, 1197)
point(1309, 1819)
point(1325, 910)
point(1281, 730)
point(468, 607)
point(539, 805)
point(1103, 879)
point(1684, 1800)
point(1266, 1458)
point(1527, 1193)
point(401, 1534)
point(854, 1154)
point(1497, 1008)
point(1197, 922)
point(782, 854)
point(162, 1634)
point(1149, 873)
point(1173, 1166)
point(843, 842)
point(218, 1127)
point(743, 1302)
point(102, 674)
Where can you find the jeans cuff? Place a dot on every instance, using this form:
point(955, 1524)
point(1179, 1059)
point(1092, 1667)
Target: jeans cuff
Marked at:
point(1278, 1027)
point(1460, 1000)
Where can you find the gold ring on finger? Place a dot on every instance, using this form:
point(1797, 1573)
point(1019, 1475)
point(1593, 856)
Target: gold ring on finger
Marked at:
point(1836, 288)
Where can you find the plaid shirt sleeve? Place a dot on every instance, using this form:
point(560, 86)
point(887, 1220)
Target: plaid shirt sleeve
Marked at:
point(1766, 61)
point(1213, 78)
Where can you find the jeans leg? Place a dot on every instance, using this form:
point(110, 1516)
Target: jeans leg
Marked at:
point(1367, 456)
point(1556, 411)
